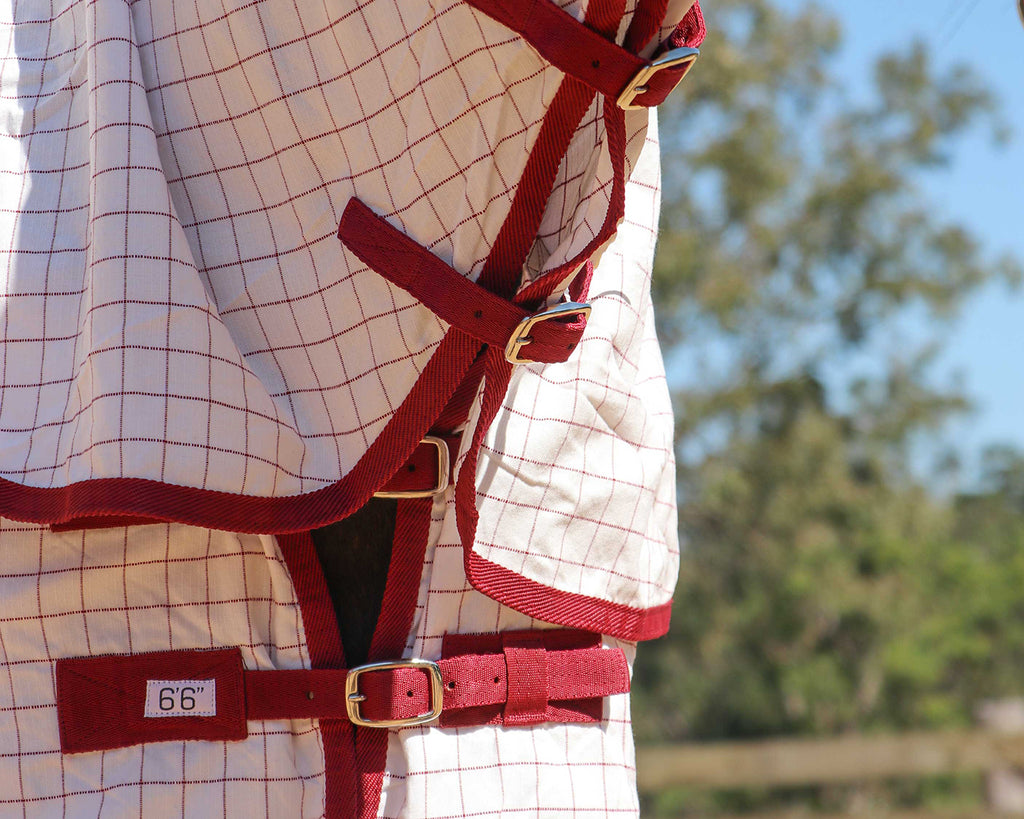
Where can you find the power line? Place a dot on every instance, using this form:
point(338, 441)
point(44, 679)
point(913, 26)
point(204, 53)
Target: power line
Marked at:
point(954, 22)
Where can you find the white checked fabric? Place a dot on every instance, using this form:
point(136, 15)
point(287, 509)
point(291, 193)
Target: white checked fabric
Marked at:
point(177, 307)
point(487, 771)
point(579, 462)
point(174, 176)
point(147, 588)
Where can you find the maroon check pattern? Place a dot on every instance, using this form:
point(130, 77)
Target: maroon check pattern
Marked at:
point(177, 308)
point(560, 769)
point(580, 459)
point(178, 179)
point(151, 588)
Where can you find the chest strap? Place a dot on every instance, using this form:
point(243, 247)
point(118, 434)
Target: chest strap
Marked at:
point(583, 53)
point(511, 678)
point(549, 336)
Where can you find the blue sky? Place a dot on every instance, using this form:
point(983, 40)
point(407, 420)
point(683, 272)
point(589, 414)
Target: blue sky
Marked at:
point(984, 188)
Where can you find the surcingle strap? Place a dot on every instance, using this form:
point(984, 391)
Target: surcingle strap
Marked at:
point(117, 701)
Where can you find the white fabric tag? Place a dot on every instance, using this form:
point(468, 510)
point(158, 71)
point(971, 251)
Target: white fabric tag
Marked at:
point(181, 698)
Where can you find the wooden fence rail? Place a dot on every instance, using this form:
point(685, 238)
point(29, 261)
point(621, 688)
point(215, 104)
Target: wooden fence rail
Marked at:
point(921, 813)
point(825, 761)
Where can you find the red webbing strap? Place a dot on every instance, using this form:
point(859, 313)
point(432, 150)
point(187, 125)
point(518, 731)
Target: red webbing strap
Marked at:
point(647, 19)
point(449, 295)
point(114, 701)
point(578, 50)
point(470, 681)
point(398, 607)
point(323, 642)
point(421, 470)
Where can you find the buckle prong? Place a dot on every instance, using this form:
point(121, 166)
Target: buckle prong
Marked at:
point(521, 335)
point(354, 697)
point(672, 58)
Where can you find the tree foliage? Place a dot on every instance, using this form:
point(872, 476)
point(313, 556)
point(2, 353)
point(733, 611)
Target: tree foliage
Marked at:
point(802, 283)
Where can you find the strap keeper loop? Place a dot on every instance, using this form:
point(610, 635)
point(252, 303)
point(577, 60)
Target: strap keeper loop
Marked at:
point(527, 667)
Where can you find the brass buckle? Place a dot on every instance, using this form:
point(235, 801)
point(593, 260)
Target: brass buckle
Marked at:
point(521, 336)
point(638, 85)
point(443, 474)
point(354, 699)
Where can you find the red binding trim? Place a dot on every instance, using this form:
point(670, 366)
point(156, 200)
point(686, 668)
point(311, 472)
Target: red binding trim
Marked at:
point(512, 678)
point(562, 607)
point(419, 473)
point(152, 501)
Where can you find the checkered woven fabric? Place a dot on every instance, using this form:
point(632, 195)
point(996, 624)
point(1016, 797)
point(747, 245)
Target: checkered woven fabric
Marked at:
point(147, 588)
point(556, 770)
point(579, 462)
point(169, 587)
point(488, 771)
point(177, 307)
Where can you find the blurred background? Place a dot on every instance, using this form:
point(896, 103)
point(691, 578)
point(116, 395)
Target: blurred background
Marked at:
point(839, 297)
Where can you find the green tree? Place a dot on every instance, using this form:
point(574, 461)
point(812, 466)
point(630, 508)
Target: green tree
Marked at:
point(823, 587)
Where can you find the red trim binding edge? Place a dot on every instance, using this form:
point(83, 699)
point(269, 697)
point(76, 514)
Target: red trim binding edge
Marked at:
point(120, 499)
point(562, 607)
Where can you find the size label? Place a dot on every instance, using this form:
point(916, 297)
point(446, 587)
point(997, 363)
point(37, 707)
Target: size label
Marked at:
point(181, 698)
